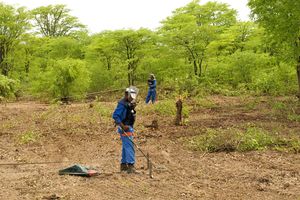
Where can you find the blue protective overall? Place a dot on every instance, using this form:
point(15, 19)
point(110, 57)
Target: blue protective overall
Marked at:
point(152, 91)
point(125, 113)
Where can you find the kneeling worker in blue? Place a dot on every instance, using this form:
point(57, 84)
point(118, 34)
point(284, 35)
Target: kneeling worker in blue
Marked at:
point(124, 117)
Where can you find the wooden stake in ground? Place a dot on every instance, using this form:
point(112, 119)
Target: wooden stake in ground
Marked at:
point(178, 120)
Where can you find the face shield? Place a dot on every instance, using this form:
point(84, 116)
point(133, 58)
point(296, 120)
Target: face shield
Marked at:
point(132, 93)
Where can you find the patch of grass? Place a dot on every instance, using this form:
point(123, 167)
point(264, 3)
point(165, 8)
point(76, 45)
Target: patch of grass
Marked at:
point(251, 139)
point(279, 106)
point(8, 125)
point(254, 139)
point(47, 114)
point(28, 137)
point(295, 145)
point(145, 109)
point(252, 104)
point(214, 141)
point(165, 108)
point(103, 110)
point(203, 103)
point(288, 144)
point(294, 117)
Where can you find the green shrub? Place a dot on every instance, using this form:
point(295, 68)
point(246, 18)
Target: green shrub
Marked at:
point(214, 141)
point(165, 108)
point(251, 139)
point(62, 79)
point(254, 139)
point(7, 86)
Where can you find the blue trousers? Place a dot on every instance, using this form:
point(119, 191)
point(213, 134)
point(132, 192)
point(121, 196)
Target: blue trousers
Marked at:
point(128, 152)
point(151, 95)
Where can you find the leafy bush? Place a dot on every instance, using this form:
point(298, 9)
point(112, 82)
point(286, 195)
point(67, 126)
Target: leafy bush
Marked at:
point(214, 141)
point(165, 108)
point(278, 80)
point(7, 86)
point(251, 139)
point(254, 139)
point(67, 78)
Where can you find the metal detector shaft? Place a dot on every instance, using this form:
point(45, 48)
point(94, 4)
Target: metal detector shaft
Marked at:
point(149, 163)
point(134, 143)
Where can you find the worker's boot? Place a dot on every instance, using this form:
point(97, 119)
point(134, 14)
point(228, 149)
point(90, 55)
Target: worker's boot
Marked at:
point(131, 169)
point(123, 167)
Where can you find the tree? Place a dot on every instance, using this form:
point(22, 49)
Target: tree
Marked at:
point(65, 79)
point(193, 27)
point(55, 21)
point(281, 18)
point(13, 23)
point(238, 37)
point(7, 86)
point(102, 47)
point(129, 44)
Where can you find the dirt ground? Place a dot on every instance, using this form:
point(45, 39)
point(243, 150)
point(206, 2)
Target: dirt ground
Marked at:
point(84, 134)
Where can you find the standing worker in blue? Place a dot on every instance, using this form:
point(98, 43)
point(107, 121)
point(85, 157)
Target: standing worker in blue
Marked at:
point(124, 117)
point(152, 89)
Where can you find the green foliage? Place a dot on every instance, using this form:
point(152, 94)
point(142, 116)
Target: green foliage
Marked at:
point(294, 117)
point(28, 137)
point(193, 27)
point(8, 86)
point(66, 78)
point(251, 139)
point(199, 49)
point(13, 23)
point(255, 139)
point(165, 108)
point(283, 26)
point(103, 110)
point(55, 21)
point(200, 102)
point(64, 47)
point(278, 80)
point(214, 141)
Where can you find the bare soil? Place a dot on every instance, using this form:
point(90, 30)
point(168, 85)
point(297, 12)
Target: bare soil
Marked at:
point(81, 134)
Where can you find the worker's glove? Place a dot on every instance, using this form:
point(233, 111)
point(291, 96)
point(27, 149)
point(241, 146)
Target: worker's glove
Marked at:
point(125, 128)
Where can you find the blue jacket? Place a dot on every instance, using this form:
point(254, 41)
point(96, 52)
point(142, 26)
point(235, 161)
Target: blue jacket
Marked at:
point(152, 84)
point(120, 112)
point(124, 113)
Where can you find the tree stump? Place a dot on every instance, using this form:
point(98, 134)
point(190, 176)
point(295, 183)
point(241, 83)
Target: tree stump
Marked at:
point(153, 125)
point(178, 120)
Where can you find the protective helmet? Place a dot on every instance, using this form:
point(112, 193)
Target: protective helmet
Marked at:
point(151, 76)
point(132, 91)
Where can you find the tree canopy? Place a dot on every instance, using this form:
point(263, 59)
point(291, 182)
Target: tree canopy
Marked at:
point(200, 48)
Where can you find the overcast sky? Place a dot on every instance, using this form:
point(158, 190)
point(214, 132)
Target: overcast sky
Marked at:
point(101, 15)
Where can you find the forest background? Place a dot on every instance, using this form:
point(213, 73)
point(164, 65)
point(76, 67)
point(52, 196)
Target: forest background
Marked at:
point(46, 53)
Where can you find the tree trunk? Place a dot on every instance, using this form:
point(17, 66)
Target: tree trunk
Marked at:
point(298, 75)
point(129, 78)
point(5, 69)
point(108, 60)
point(1, 60)
point(195, 67)
point(4, 66)
point(178, 120)
point(200, 67)
point(130, 74)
